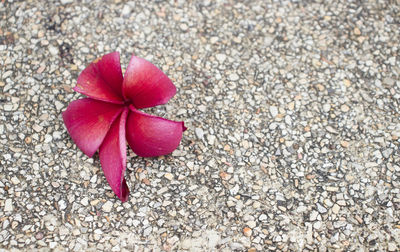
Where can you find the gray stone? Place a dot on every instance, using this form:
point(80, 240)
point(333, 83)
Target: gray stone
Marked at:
point(107, 207)
point(199, 133)
point(8, 205)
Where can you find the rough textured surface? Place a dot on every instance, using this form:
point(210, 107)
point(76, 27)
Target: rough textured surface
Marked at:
point(293, 116)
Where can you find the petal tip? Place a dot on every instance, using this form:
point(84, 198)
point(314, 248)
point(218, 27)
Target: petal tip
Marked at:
point(112, 154)
point(102, 79)
point(124, 192)
point(84, 117)
point(146, 85)
point(184, 128)
point(150, 136)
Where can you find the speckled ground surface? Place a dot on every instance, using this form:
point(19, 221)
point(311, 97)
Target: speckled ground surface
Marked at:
point(293, 116)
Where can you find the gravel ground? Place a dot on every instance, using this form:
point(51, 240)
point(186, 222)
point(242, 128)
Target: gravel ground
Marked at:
point(293, 116)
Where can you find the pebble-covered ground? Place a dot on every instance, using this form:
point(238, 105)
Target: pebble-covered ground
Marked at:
point(293, 136)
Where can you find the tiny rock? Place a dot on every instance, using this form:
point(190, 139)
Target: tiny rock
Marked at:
point(357, 31)
point(224, 175)
point(344, 144)
point(273, 110)
point(169, 176)
point(233, 77)
point(107, 206)
point(247, 231)
point(344, 108)
point(8, 205)
point(199, 133)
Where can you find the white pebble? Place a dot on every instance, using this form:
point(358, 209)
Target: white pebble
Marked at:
point(107, 206)
point(8, 205)
point(273, 110)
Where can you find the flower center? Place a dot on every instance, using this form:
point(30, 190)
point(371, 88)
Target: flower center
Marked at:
point(127, 103)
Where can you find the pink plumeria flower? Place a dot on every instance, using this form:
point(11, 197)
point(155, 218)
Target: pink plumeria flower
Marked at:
point(109, 116)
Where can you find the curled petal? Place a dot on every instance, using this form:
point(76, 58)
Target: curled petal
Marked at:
point(88, 122)
point(146, 85)
point(102, 79)
point(113, 157)
point(151, 136)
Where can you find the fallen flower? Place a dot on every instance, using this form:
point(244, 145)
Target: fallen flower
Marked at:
point(109, 116)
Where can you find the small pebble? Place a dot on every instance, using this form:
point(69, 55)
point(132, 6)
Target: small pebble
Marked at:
point(107, 207)
point(8, 205)
point(247, 231)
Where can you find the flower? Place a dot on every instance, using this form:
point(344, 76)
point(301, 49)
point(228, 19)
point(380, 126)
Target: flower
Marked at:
point(109, 117)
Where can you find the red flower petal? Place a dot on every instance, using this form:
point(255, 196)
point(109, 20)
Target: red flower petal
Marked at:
point(102, 79)
point(146, 85)
point(113, 157)
point(88, 121)
point(151, 136)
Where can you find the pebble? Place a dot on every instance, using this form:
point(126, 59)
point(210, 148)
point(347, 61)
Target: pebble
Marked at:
point(199, 133)
point(233, 77)
point(8, 107)
point(8, 205)
point(147, 231)
point(389, 81)
point(330, 129)
point(386, 153)
point(107, 207)
point(263, 217)
point(7, 74)
point(344, 108)
point(247, 231)
point(63, 231)
point(85, 201)
point(64, 2)
point(326, 107)
point(37, 128)
point(313, 215)
point(211, 139)
point(184, 27)
point(321, 209)
point(392, 246)
point(126, 10)
point(59, 105)
point(251, 224)
point(28, 140)
point(317, 225)
point(39, 236)
point(62, 205)
point(273, 110)
point(169, 176)
point(335, 208)
point(53, 50)
point(221, 57)
point(15, 180)
point(344, 144)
